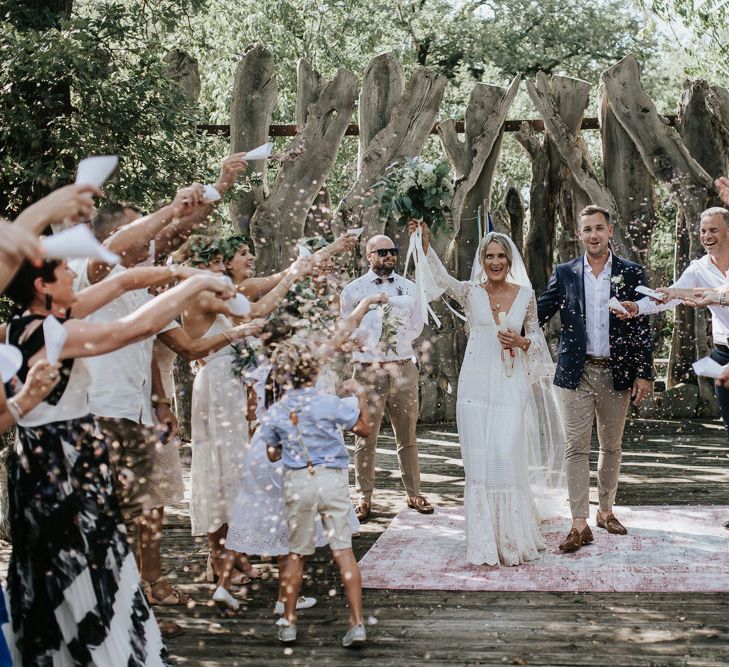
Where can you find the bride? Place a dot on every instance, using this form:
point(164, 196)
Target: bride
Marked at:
point(500, 404)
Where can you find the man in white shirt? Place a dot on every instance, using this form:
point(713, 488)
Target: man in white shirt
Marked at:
point(388, 372)
point(712, 272)
point(601, 362)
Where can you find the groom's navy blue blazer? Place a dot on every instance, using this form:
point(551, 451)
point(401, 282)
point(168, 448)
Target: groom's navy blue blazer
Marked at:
point(631, 345)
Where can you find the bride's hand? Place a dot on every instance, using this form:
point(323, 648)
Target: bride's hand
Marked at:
point(510, 339)
point(413, 226)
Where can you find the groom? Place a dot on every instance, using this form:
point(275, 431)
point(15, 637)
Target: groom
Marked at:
point(603, 363)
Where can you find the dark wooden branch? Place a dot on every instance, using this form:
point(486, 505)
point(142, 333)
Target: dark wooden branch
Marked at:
point(536, 124)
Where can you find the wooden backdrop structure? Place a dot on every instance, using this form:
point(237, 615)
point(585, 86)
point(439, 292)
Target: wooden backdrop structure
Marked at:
point(640, 148)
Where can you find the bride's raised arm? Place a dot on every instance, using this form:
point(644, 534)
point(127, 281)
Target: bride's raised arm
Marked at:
point(452, 286)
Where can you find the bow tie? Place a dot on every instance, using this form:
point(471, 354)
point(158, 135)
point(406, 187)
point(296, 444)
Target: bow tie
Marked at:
point(379, 281)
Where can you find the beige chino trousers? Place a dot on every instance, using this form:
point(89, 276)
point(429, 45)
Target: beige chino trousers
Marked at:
point(594, 397)
point(392, 387)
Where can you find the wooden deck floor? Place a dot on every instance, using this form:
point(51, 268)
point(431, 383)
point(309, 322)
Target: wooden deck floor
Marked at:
point(664, 463)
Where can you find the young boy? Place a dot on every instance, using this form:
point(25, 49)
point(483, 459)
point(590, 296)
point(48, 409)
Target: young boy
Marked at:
point(304, 429)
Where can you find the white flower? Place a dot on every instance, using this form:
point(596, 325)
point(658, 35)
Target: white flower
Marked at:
point(617, 280)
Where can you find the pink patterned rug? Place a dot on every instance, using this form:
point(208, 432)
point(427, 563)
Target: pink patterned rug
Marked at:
point(668, 549)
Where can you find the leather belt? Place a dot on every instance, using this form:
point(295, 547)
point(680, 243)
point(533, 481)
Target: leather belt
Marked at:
point(600, 362)
point(382, 363)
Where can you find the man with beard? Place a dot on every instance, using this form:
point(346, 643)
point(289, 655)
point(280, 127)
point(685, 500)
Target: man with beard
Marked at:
point(387, 371)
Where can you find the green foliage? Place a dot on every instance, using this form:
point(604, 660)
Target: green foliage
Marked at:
point(699, 28)
point(93, 82)
point(416, 190)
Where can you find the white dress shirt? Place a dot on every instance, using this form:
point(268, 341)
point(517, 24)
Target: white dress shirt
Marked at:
point(121, 381)
point(700, 273)
point(597, 314)
point(410, 317)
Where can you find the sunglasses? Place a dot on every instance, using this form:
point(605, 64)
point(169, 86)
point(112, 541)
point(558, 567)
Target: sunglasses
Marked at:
point(384, 252)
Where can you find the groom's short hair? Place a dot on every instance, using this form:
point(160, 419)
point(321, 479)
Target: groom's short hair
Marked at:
point(716, 210)
point(592, 209)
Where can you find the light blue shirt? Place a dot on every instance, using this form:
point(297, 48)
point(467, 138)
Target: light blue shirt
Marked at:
point(321, 420)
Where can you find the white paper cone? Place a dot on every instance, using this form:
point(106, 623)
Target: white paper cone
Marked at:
point(707, 367)
point(210, 194)
point(260, 153)
point(95, 170)
point(11, 359)
point(55, 336)
point(239, 305)
point(77, 241)
point(642, 289)
point(304, 251)
point(356, 231)
point(614, 304)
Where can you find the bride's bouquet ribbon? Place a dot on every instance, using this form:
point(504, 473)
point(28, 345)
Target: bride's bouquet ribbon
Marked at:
point(427, 287)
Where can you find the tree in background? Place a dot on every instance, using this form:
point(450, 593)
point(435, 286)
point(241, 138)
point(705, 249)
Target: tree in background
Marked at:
point(80, 78)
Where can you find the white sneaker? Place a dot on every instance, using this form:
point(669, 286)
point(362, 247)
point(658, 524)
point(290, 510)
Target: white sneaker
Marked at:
point(356, 636)
point(224, 599)
point(286, 631)
point(301, 603)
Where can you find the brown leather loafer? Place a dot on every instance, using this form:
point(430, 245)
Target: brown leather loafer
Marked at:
point(420, 504)
point(611, 524)
point(362, 511)
point(577, 539)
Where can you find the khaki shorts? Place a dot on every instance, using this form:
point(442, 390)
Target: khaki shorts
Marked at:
point(325, 493)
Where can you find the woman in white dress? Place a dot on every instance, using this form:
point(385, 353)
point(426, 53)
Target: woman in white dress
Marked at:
point(498, 418)
point(219, 427)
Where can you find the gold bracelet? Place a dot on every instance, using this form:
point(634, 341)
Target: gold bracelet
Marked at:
point(225, 335)
point(156, 402)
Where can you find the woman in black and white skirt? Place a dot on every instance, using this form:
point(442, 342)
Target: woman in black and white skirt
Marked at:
point(73, 585)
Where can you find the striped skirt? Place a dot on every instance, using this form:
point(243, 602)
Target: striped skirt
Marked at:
point(73, 586)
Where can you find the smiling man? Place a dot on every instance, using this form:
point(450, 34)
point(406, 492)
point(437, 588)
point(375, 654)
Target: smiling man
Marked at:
point(603, 361)
point(710, 271)
point(389, 374)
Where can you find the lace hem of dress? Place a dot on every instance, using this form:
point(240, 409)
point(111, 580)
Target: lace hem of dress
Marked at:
point(501, 526)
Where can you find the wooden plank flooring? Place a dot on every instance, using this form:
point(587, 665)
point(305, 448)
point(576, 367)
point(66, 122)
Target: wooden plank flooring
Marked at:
point(676, 463)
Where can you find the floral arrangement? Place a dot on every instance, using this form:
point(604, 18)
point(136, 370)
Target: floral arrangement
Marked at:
point(246, 357)
point(416, 190)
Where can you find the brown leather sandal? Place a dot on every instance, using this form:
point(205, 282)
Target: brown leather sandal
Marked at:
point(362, 511)
point(173, 598)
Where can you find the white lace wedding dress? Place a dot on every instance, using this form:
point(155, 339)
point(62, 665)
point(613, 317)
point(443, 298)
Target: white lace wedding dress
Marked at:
point(498, 423)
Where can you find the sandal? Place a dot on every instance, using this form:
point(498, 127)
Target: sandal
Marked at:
point(173, 598)
point(362, 511)
point(237, 577)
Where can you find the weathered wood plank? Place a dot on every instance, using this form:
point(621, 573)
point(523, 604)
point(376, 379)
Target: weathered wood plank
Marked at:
point(674, 462)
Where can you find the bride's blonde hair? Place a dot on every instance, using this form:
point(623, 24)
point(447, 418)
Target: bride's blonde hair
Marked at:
point(502, 240)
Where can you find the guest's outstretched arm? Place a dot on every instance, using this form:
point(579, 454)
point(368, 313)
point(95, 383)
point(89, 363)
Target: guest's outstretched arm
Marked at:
point(350, 323)
point(88, 339)
point(19, 239)
point(94, 297)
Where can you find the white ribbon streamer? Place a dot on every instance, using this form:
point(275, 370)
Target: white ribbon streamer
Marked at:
point(425, 283)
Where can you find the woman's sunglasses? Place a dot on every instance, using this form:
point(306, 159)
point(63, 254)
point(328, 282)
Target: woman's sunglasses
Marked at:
point(384, 252)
